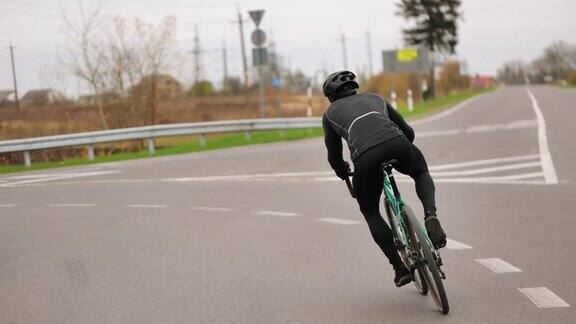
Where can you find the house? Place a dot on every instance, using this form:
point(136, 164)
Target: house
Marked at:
point(106, 98)
point(165, 86)
point(7, 97)
point(42, 97)
point(479, 81)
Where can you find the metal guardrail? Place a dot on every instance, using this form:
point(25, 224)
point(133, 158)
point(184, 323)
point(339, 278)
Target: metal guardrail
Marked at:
point(151, 132)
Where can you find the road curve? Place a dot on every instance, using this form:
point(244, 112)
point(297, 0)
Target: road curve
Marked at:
point(267, 234)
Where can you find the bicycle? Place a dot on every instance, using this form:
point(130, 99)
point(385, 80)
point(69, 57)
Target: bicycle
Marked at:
point(412, 241)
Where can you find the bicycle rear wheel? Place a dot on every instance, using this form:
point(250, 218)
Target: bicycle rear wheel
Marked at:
point(429, 267)
point(419, 280)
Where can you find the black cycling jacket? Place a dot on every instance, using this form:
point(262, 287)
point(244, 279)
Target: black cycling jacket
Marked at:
point(363, 120)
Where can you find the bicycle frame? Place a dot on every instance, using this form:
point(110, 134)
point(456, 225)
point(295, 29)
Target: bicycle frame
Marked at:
point(396, 201)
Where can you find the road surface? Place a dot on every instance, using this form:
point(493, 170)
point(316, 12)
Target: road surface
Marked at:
point(267, 234)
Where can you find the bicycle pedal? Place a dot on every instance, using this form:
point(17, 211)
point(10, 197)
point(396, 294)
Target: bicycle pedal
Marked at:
point(398, 244)
point(442, 274)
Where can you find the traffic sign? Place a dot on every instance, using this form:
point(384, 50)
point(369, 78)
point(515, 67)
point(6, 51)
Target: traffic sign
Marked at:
point(258, 37)
point(276, 82)
point(256, 16)
point(259, 56)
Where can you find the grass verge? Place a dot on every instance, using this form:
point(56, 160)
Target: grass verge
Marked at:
point(219, 141)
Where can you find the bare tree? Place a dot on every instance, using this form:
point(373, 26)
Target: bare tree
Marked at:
point(85, 58)
point(124, 64)
point(513, 72)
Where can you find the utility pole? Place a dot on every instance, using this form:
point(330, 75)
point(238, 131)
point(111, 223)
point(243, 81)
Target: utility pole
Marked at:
point(197, 51)
point(240, 23)
point(224, 65)
point(14, 75)
point(344, 52)
point(369, 45)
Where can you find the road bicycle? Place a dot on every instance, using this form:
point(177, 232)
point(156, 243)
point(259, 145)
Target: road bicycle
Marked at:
point(412, 241)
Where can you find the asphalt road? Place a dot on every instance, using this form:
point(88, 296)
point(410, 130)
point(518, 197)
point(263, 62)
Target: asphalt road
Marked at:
point(266, 233)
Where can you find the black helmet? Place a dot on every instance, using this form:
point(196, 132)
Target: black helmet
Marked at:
point(334, 83)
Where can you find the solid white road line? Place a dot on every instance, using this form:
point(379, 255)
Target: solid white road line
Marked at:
point(445, 113)
point(502, 179)
point(440, 133)
point(547, 164)
point(145, 206)
point(276, 213)
point(455, 245)
point(73, 205)
point(543, 297)
point(520, 124)
point(339, 221)
point(524, 176)
point(57, 176)
point(528, 123)
point(498, 265)
point(251, 176)
point(486, 170)
point(488, 180)
point(484, 162)
point(7, 205)
point(483, 128)
point(218, 209)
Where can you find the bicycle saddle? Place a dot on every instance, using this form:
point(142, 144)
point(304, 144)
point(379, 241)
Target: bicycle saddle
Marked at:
point(389, 164)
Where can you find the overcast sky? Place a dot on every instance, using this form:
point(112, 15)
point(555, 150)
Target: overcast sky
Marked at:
point(306, 32)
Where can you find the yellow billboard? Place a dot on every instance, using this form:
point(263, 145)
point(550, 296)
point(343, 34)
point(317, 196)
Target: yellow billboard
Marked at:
point(407, 55)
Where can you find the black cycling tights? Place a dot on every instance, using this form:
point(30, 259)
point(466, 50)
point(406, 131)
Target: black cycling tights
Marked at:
point(368, 182)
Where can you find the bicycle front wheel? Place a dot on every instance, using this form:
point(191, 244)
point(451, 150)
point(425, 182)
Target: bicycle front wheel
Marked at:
point(419, 281)
point(429, 267)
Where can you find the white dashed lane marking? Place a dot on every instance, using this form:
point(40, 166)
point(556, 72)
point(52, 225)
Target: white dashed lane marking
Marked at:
point(498, 265)
point(73, 205)
point(146, 206)
point(218, 209)
point(455, 245)
point(7, 205)
point(277, 213)
point(543, 297)
point(339, 221)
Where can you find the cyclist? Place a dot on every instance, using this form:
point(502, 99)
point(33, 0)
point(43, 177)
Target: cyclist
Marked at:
point(375, 133)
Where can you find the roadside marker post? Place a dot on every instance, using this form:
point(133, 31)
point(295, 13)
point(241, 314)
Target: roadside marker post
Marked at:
point(309, 95)
point(410, 101)
point(91, 152)
point(151, 147)
point(202, 139)
point(27, 160)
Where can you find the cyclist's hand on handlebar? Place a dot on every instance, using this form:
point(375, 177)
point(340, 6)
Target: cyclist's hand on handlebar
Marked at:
point(344, 172)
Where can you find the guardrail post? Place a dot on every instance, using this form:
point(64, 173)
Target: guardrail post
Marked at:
point(27, 160)
point(90, 152)
point(151, 147)
point(410, 101)
point(248, 136)
point(202, 139)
